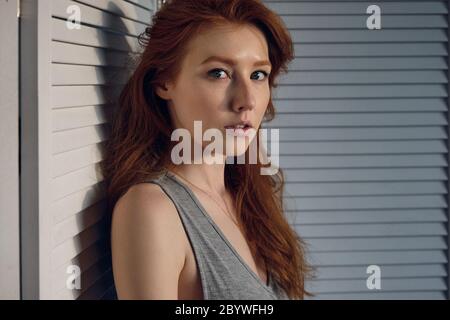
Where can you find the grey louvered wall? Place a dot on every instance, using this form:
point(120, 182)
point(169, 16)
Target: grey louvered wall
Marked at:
point(363, 140)
point(86, 67)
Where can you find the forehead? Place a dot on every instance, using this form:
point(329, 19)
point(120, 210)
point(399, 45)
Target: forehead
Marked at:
point(239, 42)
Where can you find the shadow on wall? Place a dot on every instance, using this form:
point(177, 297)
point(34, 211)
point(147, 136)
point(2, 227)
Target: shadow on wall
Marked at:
point(95, 258)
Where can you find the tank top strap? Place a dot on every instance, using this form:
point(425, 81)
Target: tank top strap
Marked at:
point(222, 271)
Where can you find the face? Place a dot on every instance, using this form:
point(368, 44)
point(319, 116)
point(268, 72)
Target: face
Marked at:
point(223, 81)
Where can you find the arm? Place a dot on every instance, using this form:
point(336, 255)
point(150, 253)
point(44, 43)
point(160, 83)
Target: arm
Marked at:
point(147, 246)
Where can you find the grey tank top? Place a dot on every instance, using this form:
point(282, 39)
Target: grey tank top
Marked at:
point(223, 272)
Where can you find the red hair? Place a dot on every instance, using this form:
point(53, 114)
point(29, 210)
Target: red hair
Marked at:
point(139, 145)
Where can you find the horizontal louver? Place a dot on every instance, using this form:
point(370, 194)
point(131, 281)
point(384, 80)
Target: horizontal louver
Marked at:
point(88, 66)
point(363, 140)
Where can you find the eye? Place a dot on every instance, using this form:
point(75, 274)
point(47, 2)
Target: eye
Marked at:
point(261, 72)
point(216, 73)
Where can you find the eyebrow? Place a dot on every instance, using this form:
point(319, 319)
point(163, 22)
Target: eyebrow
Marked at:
point(232, 62)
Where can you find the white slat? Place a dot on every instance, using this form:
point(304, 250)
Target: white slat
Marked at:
point(89, 67)
point(100, 19)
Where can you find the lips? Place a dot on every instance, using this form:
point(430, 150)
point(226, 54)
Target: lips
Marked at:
point(240, 125)
point(239, 129)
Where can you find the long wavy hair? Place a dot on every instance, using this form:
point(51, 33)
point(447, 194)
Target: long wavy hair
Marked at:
point(139, 146)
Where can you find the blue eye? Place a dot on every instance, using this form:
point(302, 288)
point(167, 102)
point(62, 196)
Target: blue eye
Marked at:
point(264, 73)
point(215, 73)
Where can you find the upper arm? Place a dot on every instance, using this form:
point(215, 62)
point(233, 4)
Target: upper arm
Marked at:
point(147, 245)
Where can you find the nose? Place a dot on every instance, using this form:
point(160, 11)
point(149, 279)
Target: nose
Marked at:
point(244, 97)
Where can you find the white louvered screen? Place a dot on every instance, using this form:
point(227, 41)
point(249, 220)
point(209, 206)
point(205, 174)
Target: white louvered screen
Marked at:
point(363, 140)
point(85, 68)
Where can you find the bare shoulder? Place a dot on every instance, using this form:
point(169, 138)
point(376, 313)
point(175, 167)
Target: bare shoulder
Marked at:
point(147, 243)
point(147, 203)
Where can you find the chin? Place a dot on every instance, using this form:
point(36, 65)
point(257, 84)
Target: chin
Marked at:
point(238, 151)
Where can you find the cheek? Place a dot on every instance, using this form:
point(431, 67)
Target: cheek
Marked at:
point(263, 103)
point(204, 100)
point(191, 96)
point(198, 103)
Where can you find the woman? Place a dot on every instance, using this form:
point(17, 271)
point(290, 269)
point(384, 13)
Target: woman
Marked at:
point(211, 230)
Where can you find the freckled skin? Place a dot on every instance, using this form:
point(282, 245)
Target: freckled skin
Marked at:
point(216, 93)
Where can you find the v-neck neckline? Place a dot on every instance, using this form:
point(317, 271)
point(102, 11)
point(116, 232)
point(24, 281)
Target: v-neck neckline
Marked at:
point(267, 286)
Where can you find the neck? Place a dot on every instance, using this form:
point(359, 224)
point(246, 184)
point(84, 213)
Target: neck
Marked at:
point(209, 177)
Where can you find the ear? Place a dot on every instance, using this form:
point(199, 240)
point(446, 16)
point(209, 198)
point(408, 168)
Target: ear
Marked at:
point(162, 91)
